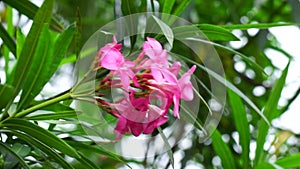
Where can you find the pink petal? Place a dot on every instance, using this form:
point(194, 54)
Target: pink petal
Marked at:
point(112, 59)
point(175, 68)
point(136, 128)
point(121, 128)
point(176, 106)
point(187, 92)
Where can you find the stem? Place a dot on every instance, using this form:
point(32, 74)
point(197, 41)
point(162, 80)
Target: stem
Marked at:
point(25, 112)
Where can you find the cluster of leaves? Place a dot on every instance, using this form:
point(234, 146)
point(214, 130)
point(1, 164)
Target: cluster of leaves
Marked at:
point(39, 55)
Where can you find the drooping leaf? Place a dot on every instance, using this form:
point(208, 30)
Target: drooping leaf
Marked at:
point(228, 85)
point(166, 30)
point(40, 134)
point(6, 94)
point(7, 40)
point(217, 33)
point(265, 165)
point(45, 63)
point(168, 146)
point(251, 62)
point(242, 125)
point(181, 7)
point(269, 112)
point(205, 31)
point(39, 68)
point(44, 148)
point(21, 150)
point(257, 25)
point(223, 151)
point(30, 10)
point(87, 163)
point(292, 161)
point(130, 23)
point(167, 7)
point(5, 148)
point(54, 116)
point(95, 149)
point(28, 51)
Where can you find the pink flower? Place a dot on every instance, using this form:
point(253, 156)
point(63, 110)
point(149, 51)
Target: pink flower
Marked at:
point(112, 59)
point(138, 115)
point(157, 55)
point(156, 87)
point(186, 86)
point(176, 89)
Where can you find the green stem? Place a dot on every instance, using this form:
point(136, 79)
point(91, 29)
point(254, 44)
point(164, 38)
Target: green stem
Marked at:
point(25, 112)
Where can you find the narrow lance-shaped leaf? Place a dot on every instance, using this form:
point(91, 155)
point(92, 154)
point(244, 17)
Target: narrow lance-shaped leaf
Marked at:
point(30, 9)
point(130, 23)
point(242, 125)
point(54, 116)
point(5, 148)
point(167, 8)
point(223, 151)
point(20, 42)
point(168, 146)
point(7, 39)
point(244, 57)
point(257, 25)
point(292, 161)
point(166, 30)
point(44, 148)
point(39, 68)
point(25, 60)
point(177, 11)
point(41, 134)
point(228, 85)
point(6, 94)
point(269, 112)
point(204, 31)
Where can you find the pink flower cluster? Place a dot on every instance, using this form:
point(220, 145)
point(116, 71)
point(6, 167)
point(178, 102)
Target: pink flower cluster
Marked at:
point(150, 84)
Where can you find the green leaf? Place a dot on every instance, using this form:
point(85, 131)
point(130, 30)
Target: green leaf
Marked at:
point(6, 94)
point(95, 149)
point(292, 161)
point(30, 10)
point(39, 68)
point(130, 23)
point(87, 163)
point(168, 146)
point(211, 32)
point(269, 112)
point(242, 125)
point(167, 8)
point(257, 25)
point(7, 40)
point(217, 33)
point(28, 52)
point(5, 148)
point(83, 54)
point(181, 7)
point(45, 63)
point(54, 116)
point(20, 41)
point(228, 85)
point(44, 148)
point(265, 165)
point(166, 30)
point(41, 134)
point(21, 150)
point(223, 151)
point(61, 47)
point(244, 57)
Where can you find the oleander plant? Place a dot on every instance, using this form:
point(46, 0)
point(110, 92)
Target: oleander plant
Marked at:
point(145, 84)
